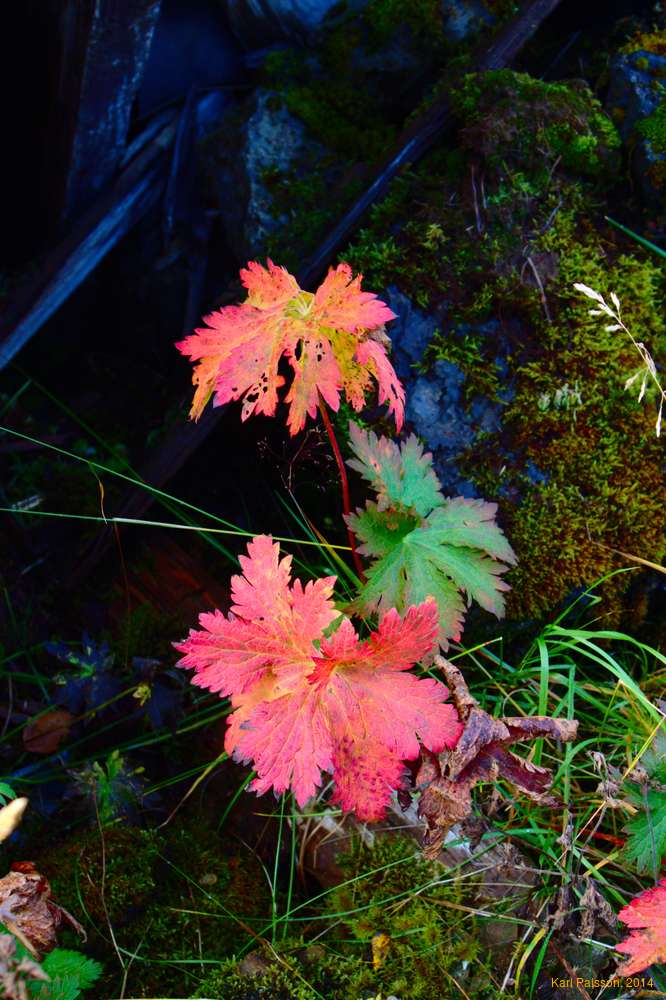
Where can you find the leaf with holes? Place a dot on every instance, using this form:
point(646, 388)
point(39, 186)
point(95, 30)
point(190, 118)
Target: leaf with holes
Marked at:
point(333, 339)
point(306, 702)
point(646, 915)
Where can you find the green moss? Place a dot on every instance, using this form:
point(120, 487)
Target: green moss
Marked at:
point(523, 146)
point(169, 896)
point(471, 353)
point(341, 118)
point(395, 933)
point(646, 41)
point(422, 17)
point(301, 973)
point(523, 202)
point(654, 128)
point(566, 123)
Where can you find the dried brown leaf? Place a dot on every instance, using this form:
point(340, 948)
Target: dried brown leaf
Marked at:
point(595, 909)
point(45, 733)
point(15, 972)
point(27, 910)
point(481, 754)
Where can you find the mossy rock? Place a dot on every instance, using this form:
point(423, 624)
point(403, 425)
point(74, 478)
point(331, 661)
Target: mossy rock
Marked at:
point(171, 897)
point(637, 103)
point(354, 91)
point(392, 932)
point(490, 239)
point(567, 125)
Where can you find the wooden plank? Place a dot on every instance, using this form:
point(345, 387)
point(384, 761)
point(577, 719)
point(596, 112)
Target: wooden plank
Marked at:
point(136, 190)
point(104, 49)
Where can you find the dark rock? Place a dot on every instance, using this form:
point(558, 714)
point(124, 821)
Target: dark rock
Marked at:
point(192, 47)
point(411, 332)
point(260, 139)
point(260, 22)
point(635, 93)
point(437, 409)
point(463, 18)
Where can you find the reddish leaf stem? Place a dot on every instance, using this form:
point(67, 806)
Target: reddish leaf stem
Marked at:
point(344, 482)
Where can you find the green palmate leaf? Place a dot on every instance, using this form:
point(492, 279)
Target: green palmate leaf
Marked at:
point(381, 531)
point(7, 793)
point(401, 475)
point(646, 832)
point(451, 553)
point(421, 543)
point(646, 840)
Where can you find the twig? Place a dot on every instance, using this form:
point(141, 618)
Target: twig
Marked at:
point(626, 555)
point(572, 972)
point(479, 224)
point(102, 890)
point(551, 217)
point(537, 278)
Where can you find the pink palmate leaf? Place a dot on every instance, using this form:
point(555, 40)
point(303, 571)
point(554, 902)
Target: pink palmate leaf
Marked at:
point(305, 703)
point(646, 915)
point(333, 339)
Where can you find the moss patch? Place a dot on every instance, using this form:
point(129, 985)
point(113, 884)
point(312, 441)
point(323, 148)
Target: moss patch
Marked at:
point(500, 231)
point(653, 128)
point(170, 897)
point(392, 932)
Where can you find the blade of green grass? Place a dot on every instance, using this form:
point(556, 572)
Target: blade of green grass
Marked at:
point(634, 236)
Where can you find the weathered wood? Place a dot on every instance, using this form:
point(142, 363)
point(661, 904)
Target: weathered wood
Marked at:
point(104, 49)
point(184, 440)
point(136, 190)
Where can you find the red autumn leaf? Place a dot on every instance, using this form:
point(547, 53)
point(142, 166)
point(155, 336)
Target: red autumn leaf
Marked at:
point(333, 339)
point(646, 915)
point(305, 703)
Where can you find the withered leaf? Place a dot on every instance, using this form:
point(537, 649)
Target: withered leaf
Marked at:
point(15, 973)
point(27, 910)
point(45, 733)
point(481, 754)
point(595, 910)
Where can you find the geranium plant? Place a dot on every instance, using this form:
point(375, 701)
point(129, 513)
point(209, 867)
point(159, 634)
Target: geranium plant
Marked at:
point(309, 695)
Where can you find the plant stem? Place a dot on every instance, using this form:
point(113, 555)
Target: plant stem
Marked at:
point(344, 482)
